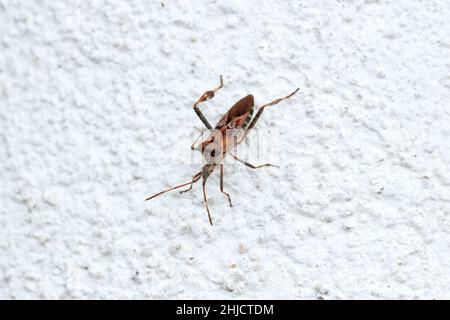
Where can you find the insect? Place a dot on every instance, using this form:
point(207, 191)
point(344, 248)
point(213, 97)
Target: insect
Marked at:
point(231, 130)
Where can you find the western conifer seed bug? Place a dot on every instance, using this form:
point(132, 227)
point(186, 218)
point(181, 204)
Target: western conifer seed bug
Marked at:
point(231, 130)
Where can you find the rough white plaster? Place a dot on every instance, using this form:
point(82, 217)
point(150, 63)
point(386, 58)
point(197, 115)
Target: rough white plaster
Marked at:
point(96, 98)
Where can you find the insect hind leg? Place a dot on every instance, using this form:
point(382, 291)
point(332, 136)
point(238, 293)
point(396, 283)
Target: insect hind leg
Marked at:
point(206, 96)
point(261, 109)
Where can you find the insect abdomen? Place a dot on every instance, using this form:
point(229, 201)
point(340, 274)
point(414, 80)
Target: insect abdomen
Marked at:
point(247, 120)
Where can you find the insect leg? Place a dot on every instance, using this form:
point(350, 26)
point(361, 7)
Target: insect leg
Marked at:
point(176, 187)
point(206, 201)
point(194, 179)
point(206, 96)
point(251, 165)
point(221, 185)
point(261, 109)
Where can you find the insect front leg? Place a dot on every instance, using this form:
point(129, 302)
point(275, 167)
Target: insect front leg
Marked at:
point(206, 96)
point(221, 185)
point(194, 179)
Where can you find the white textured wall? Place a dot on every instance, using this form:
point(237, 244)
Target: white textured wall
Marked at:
point(95, 97)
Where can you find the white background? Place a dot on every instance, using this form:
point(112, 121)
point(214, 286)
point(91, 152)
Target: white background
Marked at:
point(96, 98)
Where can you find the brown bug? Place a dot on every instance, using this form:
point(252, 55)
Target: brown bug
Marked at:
point(231, 130)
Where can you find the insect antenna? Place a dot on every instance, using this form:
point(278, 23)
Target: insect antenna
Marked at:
point(206, 201)
point(194, 180)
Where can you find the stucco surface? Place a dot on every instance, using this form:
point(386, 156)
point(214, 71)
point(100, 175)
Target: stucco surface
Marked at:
point(96, 102)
